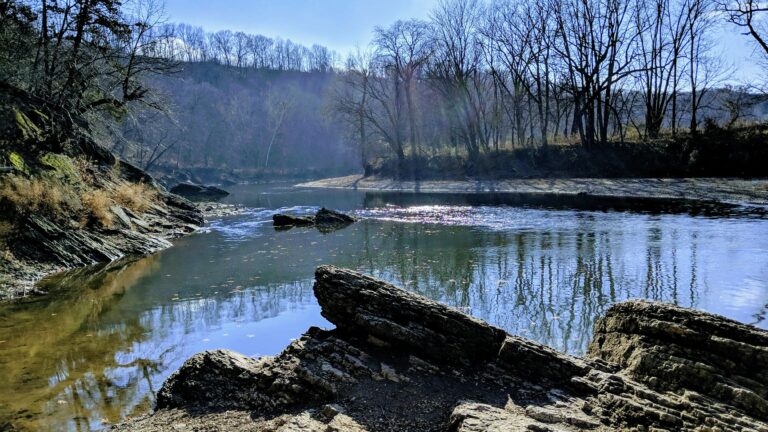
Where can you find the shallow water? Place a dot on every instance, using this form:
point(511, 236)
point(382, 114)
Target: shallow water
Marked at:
point(96, 349)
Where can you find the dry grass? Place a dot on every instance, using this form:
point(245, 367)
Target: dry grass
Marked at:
point(97, 205)
point(34, 195)
point(82, 166)
point(135, 196)
point(6, 230)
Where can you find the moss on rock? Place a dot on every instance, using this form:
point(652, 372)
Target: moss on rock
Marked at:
point(29, 130)
point(63, 166)
point(17, 161)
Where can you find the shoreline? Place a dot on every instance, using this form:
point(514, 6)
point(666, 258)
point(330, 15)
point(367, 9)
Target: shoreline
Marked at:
point(21, 277)
point(722, 190)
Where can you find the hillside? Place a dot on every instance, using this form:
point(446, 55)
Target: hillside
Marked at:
point(251, 123)
point(67, 202)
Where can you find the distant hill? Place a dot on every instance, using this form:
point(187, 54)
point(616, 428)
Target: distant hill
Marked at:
point(241, 119)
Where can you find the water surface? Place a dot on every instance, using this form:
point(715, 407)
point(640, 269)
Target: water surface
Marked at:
point(102, 343)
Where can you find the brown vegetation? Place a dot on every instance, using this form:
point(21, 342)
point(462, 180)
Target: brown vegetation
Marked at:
point(33, 195)
point(97, 205)
point(49, 197)
point(137, 197)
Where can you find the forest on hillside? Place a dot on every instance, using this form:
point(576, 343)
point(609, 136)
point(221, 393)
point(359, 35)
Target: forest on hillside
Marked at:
point(516, 88)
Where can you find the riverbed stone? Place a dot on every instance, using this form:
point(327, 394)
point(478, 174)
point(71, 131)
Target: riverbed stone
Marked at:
point(324, 220)
point(331, 217)
point(366, 306)
point(283, 220)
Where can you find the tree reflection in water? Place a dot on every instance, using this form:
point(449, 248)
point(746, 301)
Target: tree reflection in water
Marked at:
point(548, 286)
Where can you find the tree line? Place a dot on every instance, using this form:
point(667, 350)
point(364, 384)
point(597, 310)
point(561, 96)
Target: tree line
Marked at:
point(477, 77)
point(84, 56)
point(481, 76)
point(243, 50)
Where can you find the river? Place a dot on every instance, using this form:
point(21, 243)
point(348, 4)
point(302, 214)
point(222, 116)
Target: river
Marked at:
point(97, 348)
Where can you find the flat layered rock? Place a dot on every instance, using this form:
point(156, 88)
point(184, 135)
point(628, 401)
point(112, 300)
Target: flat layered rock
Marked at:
point(398, 361)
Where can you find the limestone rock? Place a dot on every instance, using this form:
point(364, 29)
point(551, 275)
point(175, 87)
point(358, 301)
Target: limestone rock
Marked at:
point(283, 220)
point(367, 306)
point(673, 349)
point(331, 217)
point(397, 361)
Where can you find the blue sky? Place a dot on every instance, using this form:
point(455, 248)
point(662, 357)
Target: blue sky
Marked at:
point(343, 24)
point(337, 24)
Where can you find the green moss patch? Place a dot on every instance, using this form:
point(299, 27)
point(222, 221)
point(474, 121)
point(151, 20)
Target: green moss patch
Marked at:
point(62, 165)
point(18, 162)
point(28, 128)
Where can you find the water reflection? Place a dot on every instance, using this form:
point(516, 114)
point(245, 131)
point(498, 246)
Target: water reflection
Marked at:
point(96, 349)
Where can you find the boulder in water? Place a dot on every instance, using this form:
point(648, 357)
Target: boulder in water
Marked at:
point(331, 217)
point(324, 220)
point(283, 220)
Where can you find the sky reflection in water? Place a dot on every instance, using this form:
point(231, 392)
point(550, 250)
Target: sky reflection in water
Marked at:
point(96, 349)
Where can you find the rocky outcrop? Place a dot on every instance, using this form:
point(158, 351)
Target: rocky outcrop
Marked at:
point(69, 202)
point(324, 220)
point(325, 217)
point(43, 245)
point(669, 349)
point(199, 192)
point(397, 361)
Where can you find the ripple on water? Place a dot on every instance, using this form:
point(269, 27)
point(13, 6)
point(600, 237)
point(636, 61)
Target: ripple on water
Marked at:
point(248, 224)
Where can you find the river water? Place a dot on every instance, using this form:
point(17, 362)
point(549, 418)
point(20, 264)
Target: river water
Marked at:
point(97, 348)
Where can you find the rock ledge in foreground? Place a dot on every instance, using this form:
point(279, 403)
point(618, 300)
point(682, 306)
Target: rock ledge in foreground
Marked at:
point(397, 361)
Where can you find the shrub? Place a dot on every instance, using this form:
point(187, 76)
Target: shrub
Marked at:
point(135, 196)
point(97, 205)
point(34, 195)
point(83, 168)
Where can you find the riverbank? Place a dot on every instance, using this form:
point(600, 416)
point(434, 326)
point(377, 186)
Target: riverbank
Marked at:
point(68, 202)
point(398, 361)
point(736, 191)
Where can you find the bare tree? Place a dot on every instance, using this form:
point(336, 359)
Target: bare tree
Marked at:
point(403, 49)
point(663, 35)
point(278, 107)
point(456, 72)
point(351, 99)
point(597, 43)
point(749, 15)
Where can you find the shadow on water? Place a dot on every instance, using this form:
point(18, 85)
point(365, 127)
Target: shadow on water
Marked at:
point(97, 348)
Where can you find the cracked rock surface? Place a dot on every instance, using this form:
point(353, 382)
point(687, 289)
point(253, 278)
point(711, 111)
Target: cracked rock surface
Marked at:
point(397, 361)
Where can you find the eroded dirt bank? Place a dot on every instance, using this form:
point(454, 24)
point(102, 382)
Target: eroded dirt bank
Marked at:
point(705, 189)
point(397, 361)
